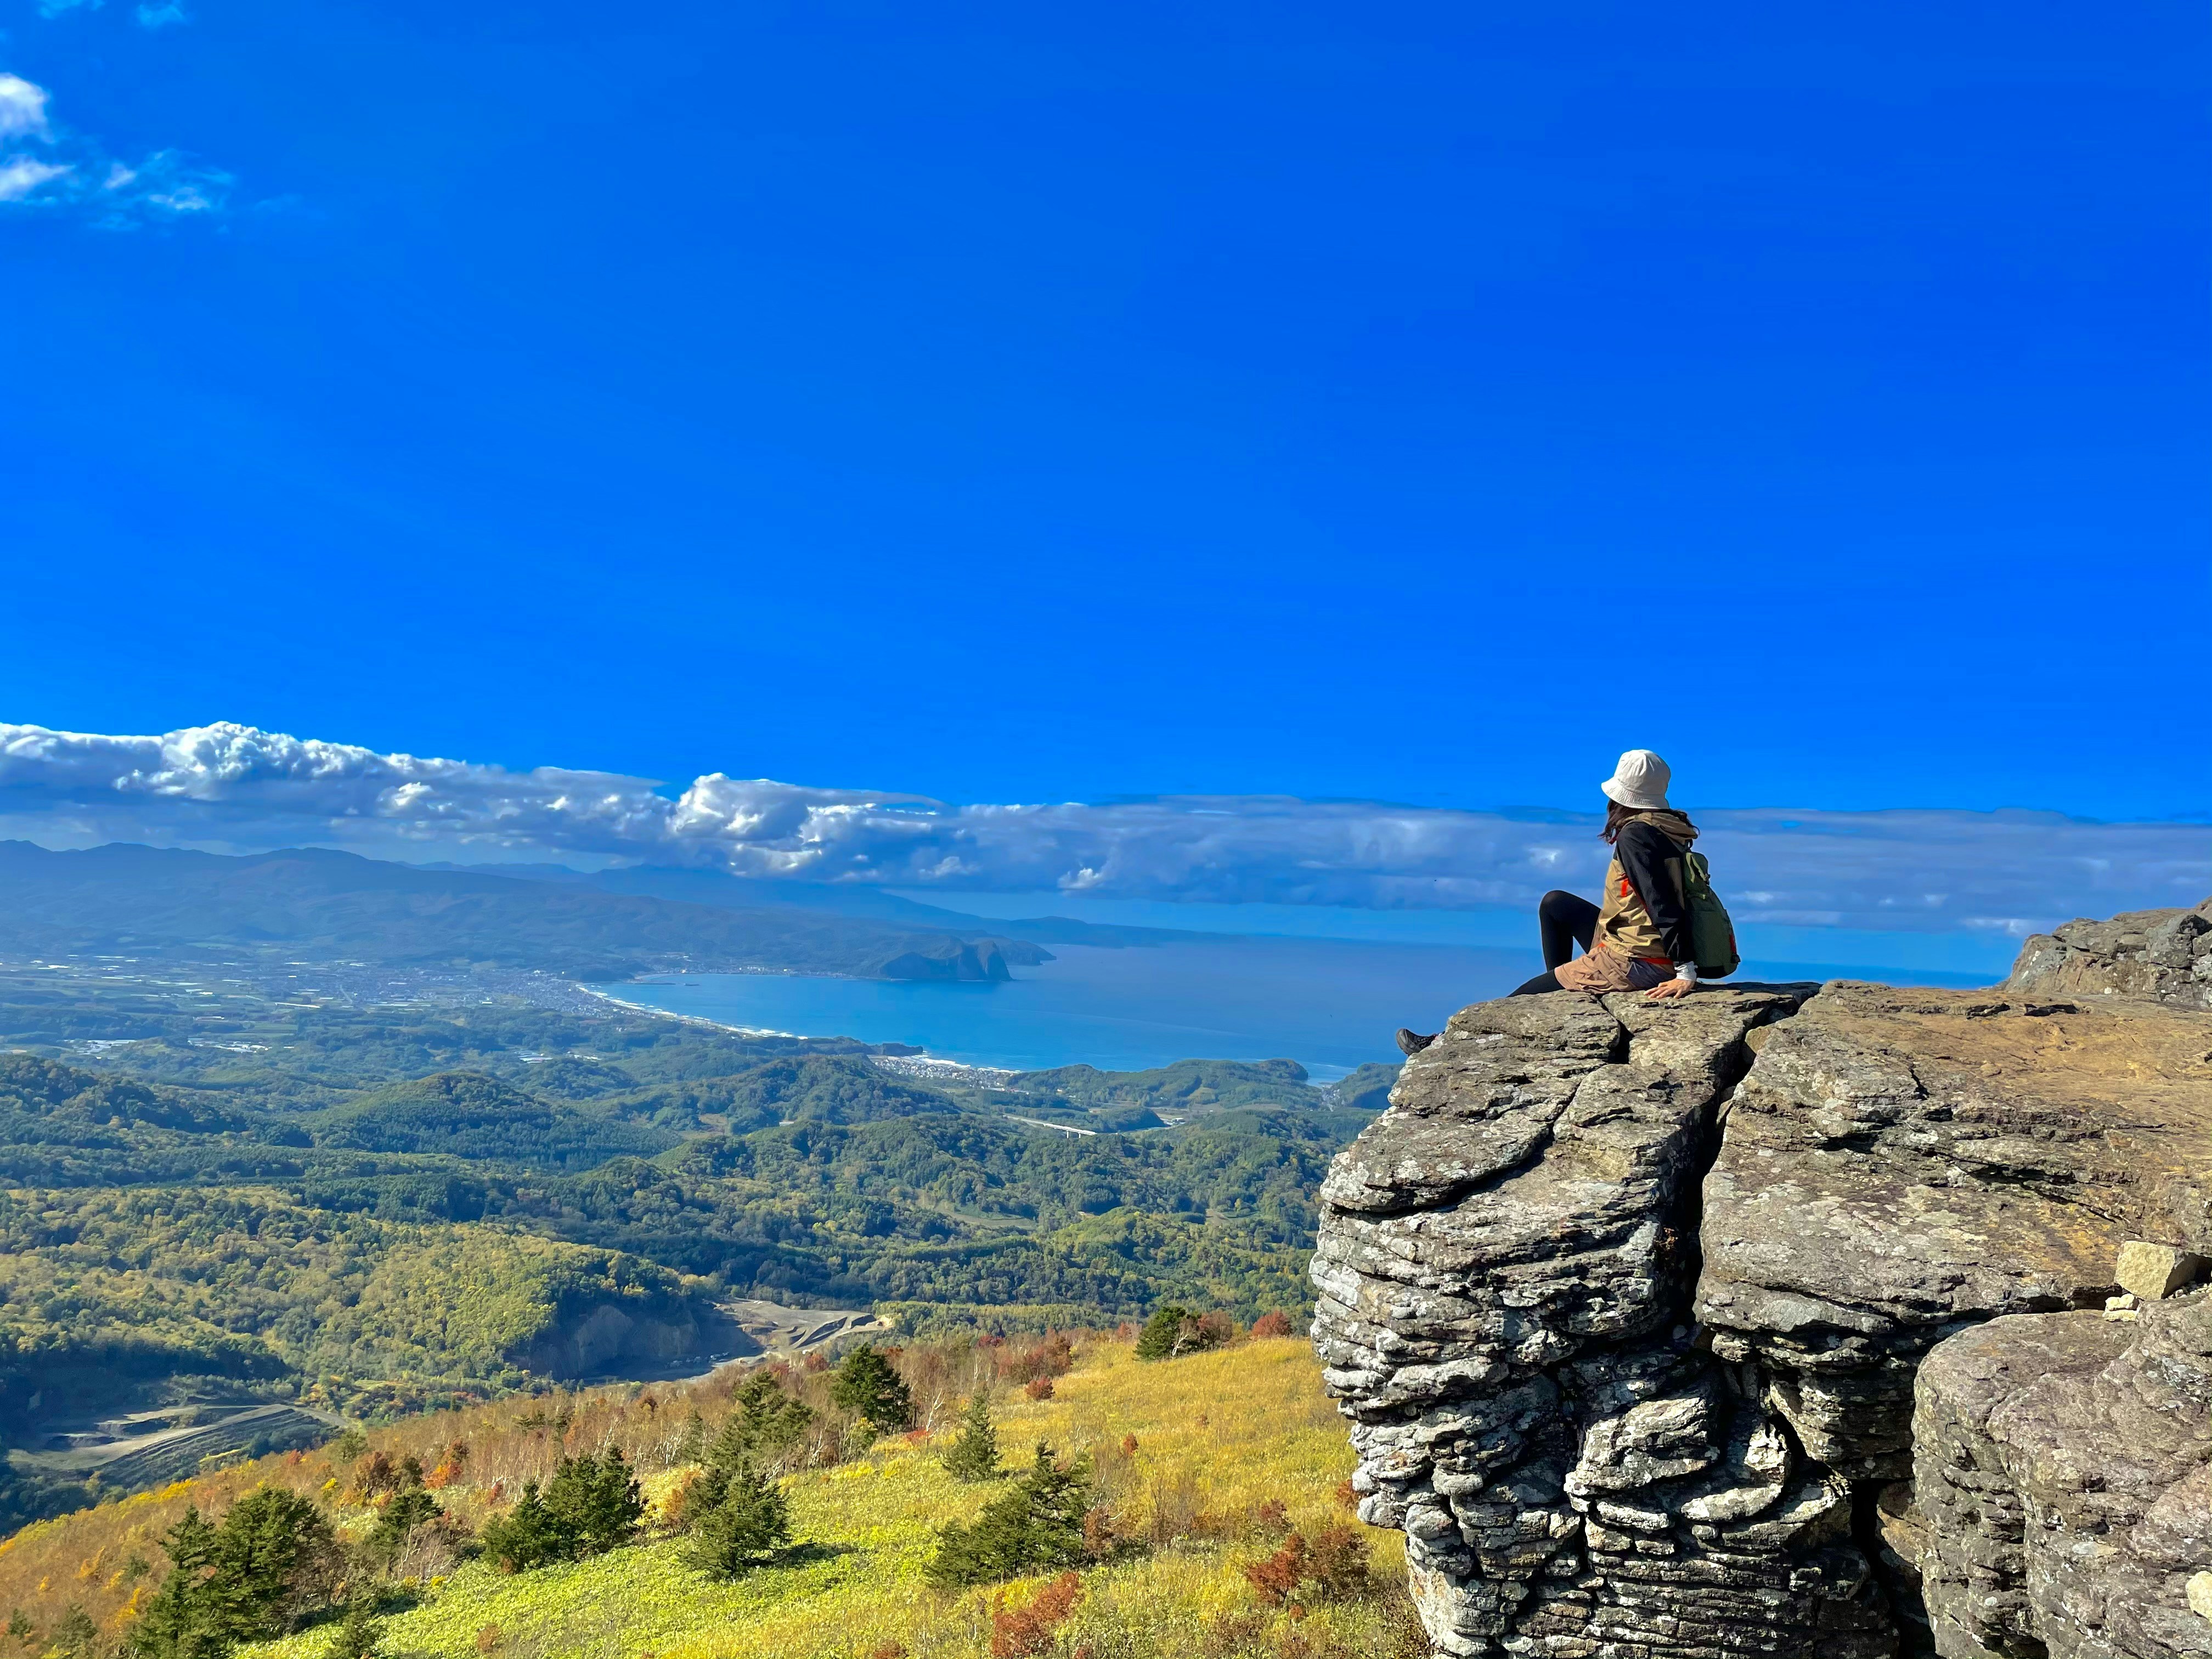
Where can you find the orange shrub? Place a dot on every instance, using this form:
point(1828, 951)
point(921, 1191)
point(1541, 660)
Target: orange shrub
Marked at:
point(1025, 1632)
point(1277, 1323)
point(1053, 1357)
point(1276, 1578)
point(1100, 1540)
point(1333, 1567)
point(1337, 1562)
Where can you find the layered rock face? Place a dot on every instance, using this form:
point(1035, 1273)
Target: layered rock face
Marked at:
point(1626, 1303)
point(2064, 1482)
point(2163, 955)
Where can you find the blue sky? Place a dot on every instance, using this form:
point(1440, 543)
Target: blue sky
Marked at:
point(1413, 402)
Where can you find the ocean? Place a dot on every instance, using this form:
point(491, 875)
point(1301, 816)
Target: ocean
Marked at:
point(1328, 1004)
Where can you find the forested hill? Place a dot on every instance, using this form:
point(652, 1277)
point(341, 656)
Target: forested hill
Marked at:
point(209, 1195)
point(311, 902)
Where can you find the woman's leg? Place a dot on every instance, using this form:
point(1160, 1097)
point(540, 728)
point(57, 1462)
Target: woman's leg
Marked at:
point(1564, 921)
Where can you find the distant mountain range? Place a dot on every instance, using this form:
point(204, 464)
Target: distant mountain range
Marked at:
point(315, 905)
point(738, 892)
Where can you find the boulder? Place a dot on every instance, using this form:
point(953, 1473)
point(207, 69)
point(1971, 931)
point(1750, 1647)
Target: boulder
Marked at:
point(2163, 955)
point(2154, 1271)
point(2064, 1467)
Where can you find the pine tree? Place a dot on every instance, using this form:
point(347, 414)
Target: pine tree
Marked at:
point(618, 1505)
point(765, 1421)
point(1037, 1524)
point(358, 1633)
point(272, 1561)
point(526, 1536)
point(176, 1624)
point(276, 1557)
point(76, 1636)
point(593, 1503)
point(410, 1508)
point(1166, 1334)
point(867, 1385)
point(749, 1522)
point(974, 1453)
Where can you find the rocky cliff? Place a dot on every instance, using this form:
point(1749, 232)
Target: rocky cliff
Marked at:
point(1775, 1321)
point(2163, 955)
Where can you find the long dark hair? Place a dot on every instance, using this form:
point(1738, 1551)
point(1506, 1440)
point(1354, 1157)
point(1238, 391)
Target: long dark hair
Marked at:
point(1616, 818)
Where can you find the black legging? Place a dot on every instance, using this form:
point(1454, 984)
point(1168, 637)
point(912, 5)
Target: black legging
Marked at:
point(1564, 921)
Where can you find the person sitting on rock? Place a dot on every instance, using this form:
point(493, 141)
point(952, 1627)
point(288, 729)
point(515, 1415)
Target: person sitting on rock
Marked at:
point(1639, 938)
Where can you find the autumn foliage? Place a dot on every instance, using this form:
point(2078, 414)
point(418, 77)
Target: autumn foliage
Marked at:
point(1025, 1632)
point(1331, 1567)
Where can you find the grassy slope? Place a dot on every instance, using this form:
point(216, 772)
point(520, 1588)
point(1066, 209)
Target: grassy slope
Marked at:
point(1241, 1426)
point(1217, 1434)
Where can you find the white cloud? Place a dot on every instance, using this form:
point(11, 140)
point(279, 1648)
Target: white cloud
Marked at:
point(160, 16)
point(43, 166)
point(234, 787)
point(22, 108)
point(20, 175)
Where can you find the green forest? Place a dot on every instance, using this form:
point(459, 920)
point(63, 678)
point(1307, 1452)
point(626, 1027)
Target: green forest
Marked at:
point(207, 1191)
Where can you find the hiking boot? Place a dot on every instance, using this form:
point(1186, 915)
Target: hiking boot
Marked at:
point(1411, 1042)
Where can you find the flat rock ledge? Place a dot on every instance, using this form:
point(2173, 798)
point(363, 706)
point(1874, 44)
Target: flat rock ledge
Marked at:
point(1771, 1322)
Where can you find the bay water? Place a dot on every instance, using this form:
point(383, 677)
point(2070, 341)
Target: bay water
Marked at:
point(1330, 1004)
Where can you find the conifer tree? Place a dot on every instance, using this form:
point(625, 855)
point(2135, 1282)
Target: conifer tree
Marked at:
point(974, 1453)
point(526, 1536)
point(764, 1422)
point(410, 1507)
point(595, 1502)
point(358, 1632)
point(76, 1636)
point(867, 1385)
point(271, 1560)
point(1166, 1334)
point(749, 1522)
point(1034, 1525)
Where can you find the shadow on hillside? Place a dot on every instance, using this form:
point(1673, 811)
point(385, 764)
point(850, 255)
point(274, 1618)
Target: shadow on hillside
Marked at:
point(806, 1554)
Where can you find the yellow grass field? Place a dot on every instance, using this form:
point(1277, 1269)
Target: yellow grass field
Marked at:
point(1217, 1436)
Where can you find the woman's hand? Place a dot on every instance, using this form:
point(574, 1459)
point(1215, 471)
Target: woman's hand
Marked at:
point(1673, 987)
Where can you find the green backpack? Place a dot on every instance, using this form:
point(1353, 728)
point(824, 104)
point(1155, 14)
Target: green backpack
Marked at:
point(1711, 931)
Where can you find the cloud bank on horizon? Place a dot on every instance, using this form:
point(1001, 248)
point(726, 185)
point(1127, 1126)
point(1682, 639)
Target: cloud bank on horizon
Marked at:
point(234, 788)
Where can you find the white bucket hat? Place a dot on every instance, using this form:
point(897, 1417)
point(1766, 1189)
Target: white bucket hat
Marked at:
point(1640, 780)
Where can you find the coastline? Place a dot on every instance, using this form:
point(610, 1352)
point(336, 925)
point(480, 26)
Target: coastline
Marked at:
point(699, 1019)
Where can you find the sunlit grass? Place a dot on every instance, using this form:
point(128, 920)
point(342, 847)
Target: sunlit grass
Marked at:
point(1217, 1435)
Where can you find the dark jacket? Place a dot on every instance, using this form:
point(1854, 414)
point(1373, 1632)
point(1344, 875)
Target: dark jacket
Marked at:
point(1646, 911)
